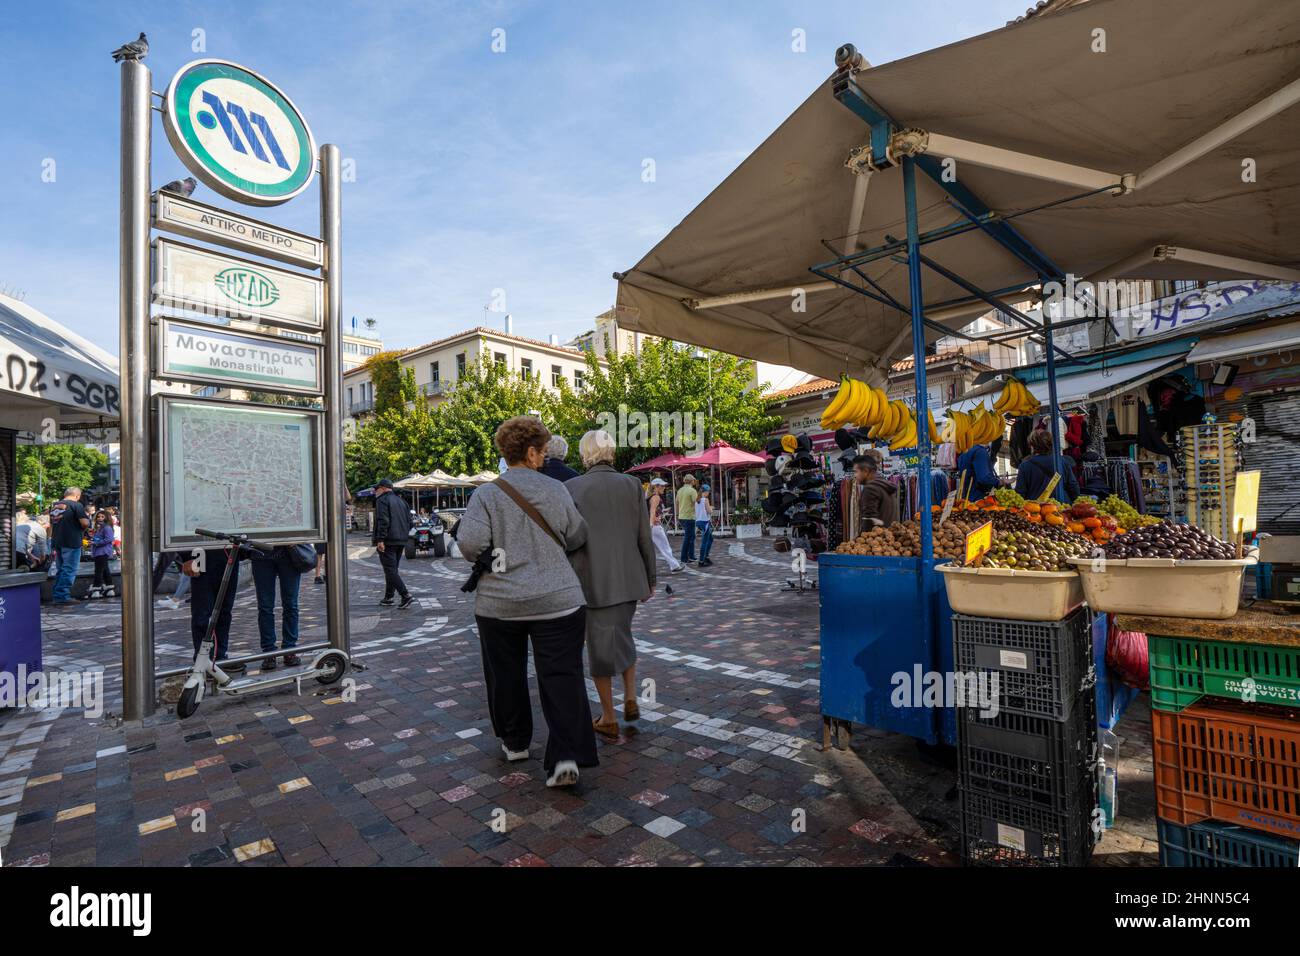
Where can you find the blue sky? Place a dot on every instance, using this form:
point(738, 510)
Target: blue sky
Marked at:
point(475, 170)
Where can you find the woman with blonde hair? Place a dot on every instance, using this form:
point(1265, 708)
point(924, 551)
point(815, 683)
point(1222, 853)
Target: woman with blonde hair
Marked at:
point(617, 569)
point(527, 525)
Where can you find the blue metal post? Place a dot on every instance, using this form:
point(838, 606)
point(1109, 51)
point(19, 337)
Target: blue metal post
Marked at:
point(1052, 404)
point(923, 484)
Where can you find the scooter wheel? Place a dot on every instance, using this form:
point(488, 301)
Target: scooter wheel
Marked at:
point(188, 703)
point(331, 667)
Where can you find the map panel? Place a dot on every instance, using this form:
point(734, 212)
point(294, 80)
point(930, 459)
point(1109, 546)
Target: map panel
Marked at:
point(249, 470)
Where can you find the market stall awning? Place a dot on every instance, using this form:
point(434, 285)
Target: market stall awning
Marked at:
point(726, 276)
point(1264, 340)
point(1103, 383)
point(721, 454)
point(668, 460)
point(47, 370)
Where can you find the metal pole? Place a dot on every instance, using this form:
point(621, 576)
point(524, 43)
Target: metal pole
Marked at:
point(923, 486)
point(133, 392)
point(1052, 404)
point(336, 542)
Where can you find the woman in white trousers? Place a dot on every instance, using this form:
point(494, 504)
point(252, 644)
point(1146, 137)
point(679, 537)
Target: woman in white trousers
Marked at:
point(658, 536)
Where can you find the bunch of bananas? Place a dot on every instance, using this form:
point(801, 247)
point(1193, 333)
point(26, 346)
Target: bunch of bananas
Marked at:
point(870, 408)
point(967, 429)
point(1016, 399)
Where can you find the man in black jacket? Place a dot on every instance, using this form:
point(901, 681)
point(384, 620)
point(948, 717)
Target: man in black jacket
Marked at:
point(392, 529)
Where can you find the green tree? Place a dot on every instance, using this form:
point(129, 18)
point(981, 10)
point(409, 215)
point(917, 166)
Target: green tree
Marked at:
point(48, 469)
point(394, 386)
point(456, 435)
point(666, 377)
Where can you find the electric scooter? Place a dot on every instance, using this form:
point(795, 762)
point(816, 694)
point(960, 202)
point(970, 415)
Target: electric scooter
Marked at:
point(327, 667)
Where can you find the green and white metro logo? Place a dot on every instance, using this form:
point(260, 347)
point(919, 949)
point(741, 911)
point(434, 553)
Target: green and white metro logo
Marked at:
point(238, 133)
point(247, 287)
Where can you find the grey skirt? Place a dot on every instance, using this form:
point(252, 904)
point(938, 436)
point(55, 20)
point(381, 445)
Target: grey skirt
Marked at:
point(610, 648)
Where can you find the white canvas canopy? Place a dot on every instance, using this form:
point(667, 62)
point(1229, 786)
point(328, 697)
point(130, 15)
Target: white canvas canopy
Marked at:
point(1184, 105)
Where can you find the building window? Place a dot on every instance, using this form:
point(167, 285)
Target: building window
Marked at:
point(349, 396)
point(526, 368)
point(557, 374)
point(578, 380)
point(500, 358)
point(434, 375)
point(460, 366)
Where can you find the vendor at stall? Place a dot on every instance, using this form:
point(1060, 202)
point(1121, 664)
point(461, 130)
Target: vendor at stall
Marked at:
point(975, 472)
point(875, 500)
point(1035, 472)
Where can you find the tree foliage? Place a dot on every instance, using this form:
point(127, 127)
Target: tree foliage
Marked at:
point(48, 469)
point(394, 386)
point(456, 435)
point(667, 377)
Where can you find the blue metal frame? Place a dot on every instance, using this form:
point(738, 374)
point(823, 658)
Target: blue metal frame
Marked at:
point(882, 126)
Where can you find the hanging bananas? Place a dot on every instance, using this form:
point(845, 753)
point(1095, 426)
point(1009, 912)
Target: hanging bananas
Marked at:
point(1016, 399)
point(856, 402)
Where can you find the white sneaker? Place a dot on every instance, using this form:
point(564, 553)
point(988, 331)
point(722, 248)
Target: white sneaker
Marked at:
point(514, 756)
point(169, 603)
point(564, 775)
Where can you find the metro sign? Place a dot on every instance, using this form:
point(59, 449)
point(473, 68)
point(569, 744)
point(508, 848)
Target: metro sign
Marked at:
point(238, 133)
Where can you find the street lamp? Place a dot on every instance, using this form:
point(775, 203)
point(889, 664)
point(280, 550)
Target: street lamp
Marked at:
point(708, 358)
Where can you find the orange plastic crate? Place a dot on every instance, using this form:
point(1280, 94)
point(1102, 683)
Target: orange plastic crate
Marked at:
point(1238, 763)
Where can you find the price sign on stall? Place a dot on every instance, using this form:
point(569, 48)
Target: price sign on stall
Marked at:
point(947, 507)
point(1051, 486)
point(977, 542)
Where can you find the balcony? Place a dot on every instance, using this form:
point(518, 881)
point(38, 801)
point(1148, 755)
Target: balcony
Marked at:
point(431, 389)
point(361, 407)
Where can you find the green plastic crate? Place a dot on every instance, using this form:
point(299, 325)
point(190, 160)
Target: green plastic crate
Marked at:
point(1185, 669)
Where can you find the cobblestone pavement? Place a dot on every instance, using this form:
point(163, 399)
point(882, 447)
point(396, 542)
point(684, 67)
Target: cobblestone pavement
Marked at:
point(721, 769)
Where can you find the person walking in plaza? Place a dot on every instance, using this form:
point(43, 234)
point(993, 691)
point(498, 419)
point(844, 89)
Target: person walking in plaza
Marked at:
point(687, 496)
point(391, 532)
point(704, 524)
point(658, 536)
point(557, 449)
point(526, 523)
point(102, 546)
point(68, 523)
point(616, 568)
point(204, 568)
point(272, 570)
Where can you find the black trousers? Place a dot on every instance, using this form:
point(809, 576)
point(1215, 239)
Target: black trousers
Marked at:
point(390, 558)
point(561, 685)
point(203, 595)
point(102, 575)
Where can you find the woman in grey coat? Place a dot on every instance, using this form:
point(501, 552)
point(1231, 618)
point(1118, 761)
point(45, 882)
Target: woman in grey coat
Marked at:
point(531, 595)
point(616, 568)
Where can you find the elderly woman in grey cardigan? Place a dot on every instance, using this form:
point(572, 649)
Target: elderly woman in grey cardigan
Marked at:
point(531, 594)
point(617, 569)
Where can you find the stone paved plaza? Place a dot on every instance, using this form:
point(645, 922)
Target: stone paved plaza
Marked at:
point(723, 767)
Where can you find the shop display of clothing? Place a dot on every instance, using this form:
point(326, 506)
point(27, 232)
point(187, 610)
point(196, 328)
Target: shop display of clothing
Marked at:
point(1120, 476)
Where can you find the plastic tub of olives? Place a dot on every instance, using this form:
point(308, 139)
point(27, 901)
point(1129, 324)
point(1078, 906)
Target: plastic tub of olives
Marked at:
point(1015, 594)
point(1163, 587)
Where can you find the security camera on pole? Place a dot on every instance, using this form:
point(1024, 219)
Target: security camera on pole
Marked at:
point(244, 139)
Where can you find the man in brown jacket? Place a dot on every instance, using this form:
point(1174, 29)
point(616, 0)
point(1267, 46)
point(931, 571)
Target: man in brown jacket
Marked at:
point(876, 498)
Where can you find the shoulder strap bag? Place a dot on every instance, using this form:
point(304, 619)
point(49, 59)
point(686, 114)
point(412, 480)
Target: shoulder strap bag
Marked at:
point(527, 508)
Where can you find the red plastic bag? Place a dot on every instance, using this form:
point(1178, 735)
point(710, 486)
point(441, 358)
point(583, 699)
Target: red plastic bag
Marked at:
point(1126, 655)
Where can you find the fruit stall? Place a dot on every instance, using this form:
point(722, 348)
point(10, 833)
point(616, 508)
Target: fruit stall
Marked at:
point(909, 626)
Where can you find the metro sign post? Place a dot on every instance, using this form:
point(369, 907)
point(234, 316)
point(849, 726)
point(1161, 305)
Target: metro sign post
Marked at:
point(242, 137)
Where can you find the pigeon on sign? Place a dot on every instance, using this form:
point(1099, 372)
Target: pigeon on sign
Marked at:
point(181, 187)
point(137, 49)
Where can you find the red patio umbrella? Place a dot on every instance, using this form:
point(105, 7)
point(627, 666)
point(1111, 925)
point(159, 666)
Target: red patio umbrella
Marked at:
point(722, 456)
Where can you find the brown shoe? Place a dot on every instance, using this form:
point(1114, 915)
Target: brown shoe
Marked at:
point(630, 710)
point(609, 730)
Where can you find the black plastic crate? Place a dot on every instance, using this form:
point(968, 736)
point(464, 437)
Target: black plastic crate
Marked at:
point(1041, 666)
point(1047, 763)
point(997, 831)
